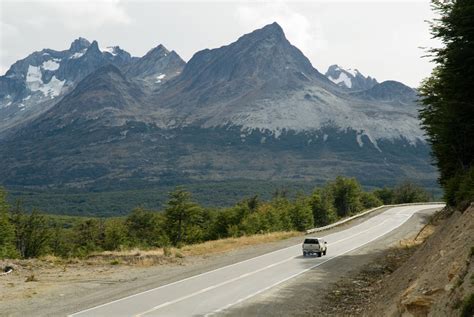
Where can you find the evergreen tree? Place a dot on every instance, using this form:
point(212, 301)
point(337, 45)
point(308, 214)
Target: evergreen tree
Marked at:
point(448, 95)
point(183, 218)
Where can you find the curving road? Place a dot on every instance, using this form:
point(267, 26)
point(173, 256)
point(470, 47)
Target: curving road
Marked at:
point(212, 292)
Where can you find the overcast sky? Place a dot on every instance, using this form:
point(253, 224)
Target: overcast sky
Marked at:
point(379, 38)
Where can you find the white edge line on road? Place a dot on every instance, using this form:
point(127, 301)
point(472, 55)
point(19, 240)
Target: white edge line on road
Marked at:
point(198, 275)
point(299, 273)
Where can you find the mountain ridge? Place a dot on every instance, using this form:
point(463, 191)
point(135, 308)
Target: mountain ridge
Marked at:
point(254, 109)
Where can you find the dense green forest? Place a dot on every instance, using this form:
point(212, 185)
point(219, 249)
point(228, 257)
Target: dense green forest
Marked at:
point(447, 95)
point(183, 221)
point(119, 202)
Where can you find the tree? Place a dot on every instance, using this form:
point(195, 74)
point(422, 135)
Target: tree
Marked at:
point(7, 230)
point(89, 235)
point(301, 214)
point(146, 228)
point(408, 192)
point(385, 195)
point(322, 206)
point(447, 95)
point(347, 193)
point(115, 235)
point(31, 232)
point(370, 200)
point(183, 218)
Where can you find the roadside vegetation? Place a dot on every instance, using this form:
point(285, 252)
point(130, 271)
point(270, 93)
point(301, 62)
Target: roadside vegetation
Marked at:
point(183, 222)
point(447, 96)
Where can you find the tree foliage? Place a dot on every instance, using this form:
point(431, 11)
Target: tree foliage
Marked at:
point(185, 222)
point(183, 217)
point(447, 96)
point(347, 196)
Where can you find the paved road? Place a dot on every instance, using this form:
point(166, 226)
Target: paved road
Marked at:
point(212, 292)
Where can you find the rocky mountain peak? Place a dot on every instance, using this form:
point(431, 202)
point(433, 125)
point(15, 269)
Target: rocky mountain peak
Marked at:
point(157, 52)
point(79, 44)
point(255, 58)
point(157, 65)
point(93, 48)
point(348, 78)
point(270, 30)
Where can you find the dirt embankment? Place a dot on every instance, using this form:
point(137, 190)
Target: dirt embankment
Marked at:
point(431, 274)
point(439, 278)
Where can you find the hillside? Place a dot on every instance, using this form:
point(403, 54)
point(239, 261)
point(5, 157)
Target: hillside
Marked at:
point(446, 279)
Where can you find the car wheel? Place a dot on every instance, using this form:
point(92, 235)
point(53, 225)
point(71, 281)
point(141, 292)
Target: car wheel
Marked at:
point(319, 254)
point(304, 253)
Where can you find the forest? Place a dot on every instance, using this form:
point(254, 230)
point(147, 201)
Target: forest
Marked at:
point(182, 221)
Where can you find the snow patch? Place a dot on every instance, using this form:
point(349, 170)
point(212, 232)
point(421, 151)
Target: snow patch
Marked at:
point(353, 72)
point(159, 78)
point(359, 140)
point(8, 104)
point(110, 49)
point(343, 78)
point(78, 54)
point(50, 64)
point(35, 83)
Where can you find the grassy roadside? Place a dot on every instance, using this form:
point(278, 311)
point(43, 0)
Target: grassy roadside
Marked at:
point(158, 256)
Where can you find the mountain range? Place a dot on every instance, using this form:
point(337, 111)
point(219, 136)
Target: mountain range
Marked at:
point(255, 109)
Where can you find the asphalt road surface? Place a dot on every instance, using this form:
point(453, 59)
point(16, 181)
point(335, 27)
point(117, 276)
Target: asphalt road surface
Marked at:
point(214, 291)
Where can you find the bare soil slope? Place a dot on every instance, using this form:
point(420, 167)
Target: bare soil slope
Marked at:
point(438, 278)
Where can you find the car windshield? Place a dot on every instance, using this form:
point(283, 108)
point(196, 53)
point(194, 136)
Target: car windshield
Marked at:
point(311, 241)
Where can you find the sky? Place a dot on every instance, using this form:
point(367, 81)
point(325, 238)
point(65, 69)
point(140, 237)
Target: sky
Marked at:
point(383, 39)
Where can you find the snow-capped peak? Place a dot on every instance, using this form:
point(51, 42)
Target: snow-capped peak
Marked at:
point(350, 78)
point(111, 49)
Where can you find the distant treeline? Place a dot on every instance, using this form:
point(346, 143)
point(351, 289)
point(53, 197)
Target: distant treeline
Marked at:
point(29, 235)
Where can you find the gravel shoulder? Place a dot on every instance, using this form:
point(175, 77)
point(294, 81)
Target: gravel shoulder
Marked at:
point(59, 291)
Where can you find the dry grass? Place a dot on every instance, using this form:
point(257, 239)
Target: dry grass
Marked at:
point(138, 257)
point(424, 233)
point(226, 245)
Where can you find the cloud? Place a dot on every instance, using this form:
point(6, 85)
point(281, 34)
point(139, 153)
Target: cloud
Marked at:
point(302, 32)
point(80, 15)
